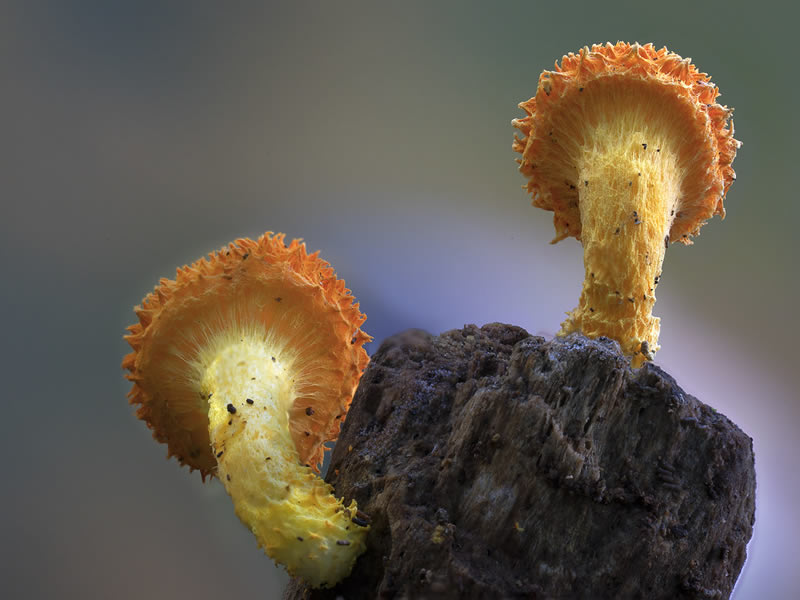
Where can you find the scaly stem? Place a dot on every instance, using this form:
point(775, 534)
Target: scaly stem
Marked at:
point(629, 185)
point(289, 509)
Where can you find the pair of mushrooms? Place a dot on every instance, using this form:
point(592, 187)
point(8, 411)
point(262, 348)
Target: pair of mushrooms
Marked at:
point(245, 365)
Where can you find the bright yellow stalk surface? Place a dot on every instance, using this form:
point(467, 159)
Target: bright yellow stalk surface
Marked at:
point(290, 510)
point(630, 187)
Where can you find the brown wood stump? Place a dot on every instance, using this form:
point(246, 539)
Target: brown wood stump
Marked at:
point(495, 464)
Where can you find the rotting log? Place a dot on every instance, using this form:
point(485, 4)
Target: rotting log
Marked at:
point(495, 464)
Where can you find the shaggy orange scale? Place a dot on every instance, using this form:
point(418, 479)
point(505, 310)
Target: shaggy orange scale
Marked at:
point(629, 149)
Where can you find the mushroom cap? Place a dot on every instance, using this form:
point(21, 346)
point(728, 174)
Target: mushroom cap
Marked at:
point(667, 88)
point(263, 287)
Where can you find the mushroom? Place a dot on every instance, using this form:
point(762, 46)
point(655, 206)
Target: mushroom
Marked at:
point(245, 365)
point(628, 148)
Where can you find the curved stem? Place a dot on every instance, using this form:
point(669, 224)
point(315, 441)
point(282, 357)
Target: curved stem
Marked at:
point(290, 510)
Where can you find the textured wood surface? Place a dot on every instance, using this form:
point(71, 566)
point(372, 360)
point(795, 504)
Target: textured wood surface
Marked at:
point(494, 464)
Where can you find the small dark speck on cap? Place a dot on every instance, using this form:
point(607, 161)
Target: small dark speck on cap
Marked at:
point(360, 522)
point(231, 409)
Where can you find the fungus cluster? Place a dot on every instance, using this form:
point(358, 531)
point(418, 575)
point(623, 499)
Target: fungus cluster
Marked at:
point(628, 147)
point(245, 365)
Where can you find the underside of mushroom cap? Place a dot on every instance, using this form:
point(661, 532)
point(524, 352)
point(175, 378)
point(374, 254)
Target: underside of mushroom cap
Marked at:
point(262, 287)
point(657, 86)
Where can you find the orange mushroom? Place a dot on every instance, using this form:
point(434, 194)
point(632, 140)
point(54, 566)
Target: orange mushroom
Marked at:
point(245, 365)
point(629, 149)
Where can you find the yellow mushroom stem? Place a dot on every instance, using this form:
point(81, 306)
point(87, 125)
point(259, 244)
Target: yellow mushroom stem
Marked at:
point(629, 185)
point(248, 384)
point(630, 160)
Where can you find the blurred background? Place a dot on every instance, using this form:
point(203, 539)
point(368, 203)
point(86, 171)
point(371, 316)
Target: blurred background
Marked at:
point(137, 136)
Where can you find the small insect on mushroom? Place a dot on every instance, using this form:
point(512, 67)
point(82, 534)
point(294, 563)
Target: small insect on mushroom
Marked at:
point(272, 331)
point(602, 104)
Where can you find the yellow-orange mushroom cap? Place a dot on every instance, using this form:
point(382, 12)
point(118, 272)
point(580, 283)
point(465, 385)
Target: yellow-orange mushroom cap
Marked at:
point(245, 365)
point(293, 295)
point(655, 84)
point(629, 149)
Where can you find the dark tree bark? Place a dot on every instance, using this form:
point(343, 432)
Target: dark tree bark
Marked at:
point(498, 465)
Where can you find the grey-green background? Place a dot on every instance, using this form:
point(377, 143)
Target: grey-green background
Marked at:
point(137, 136)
